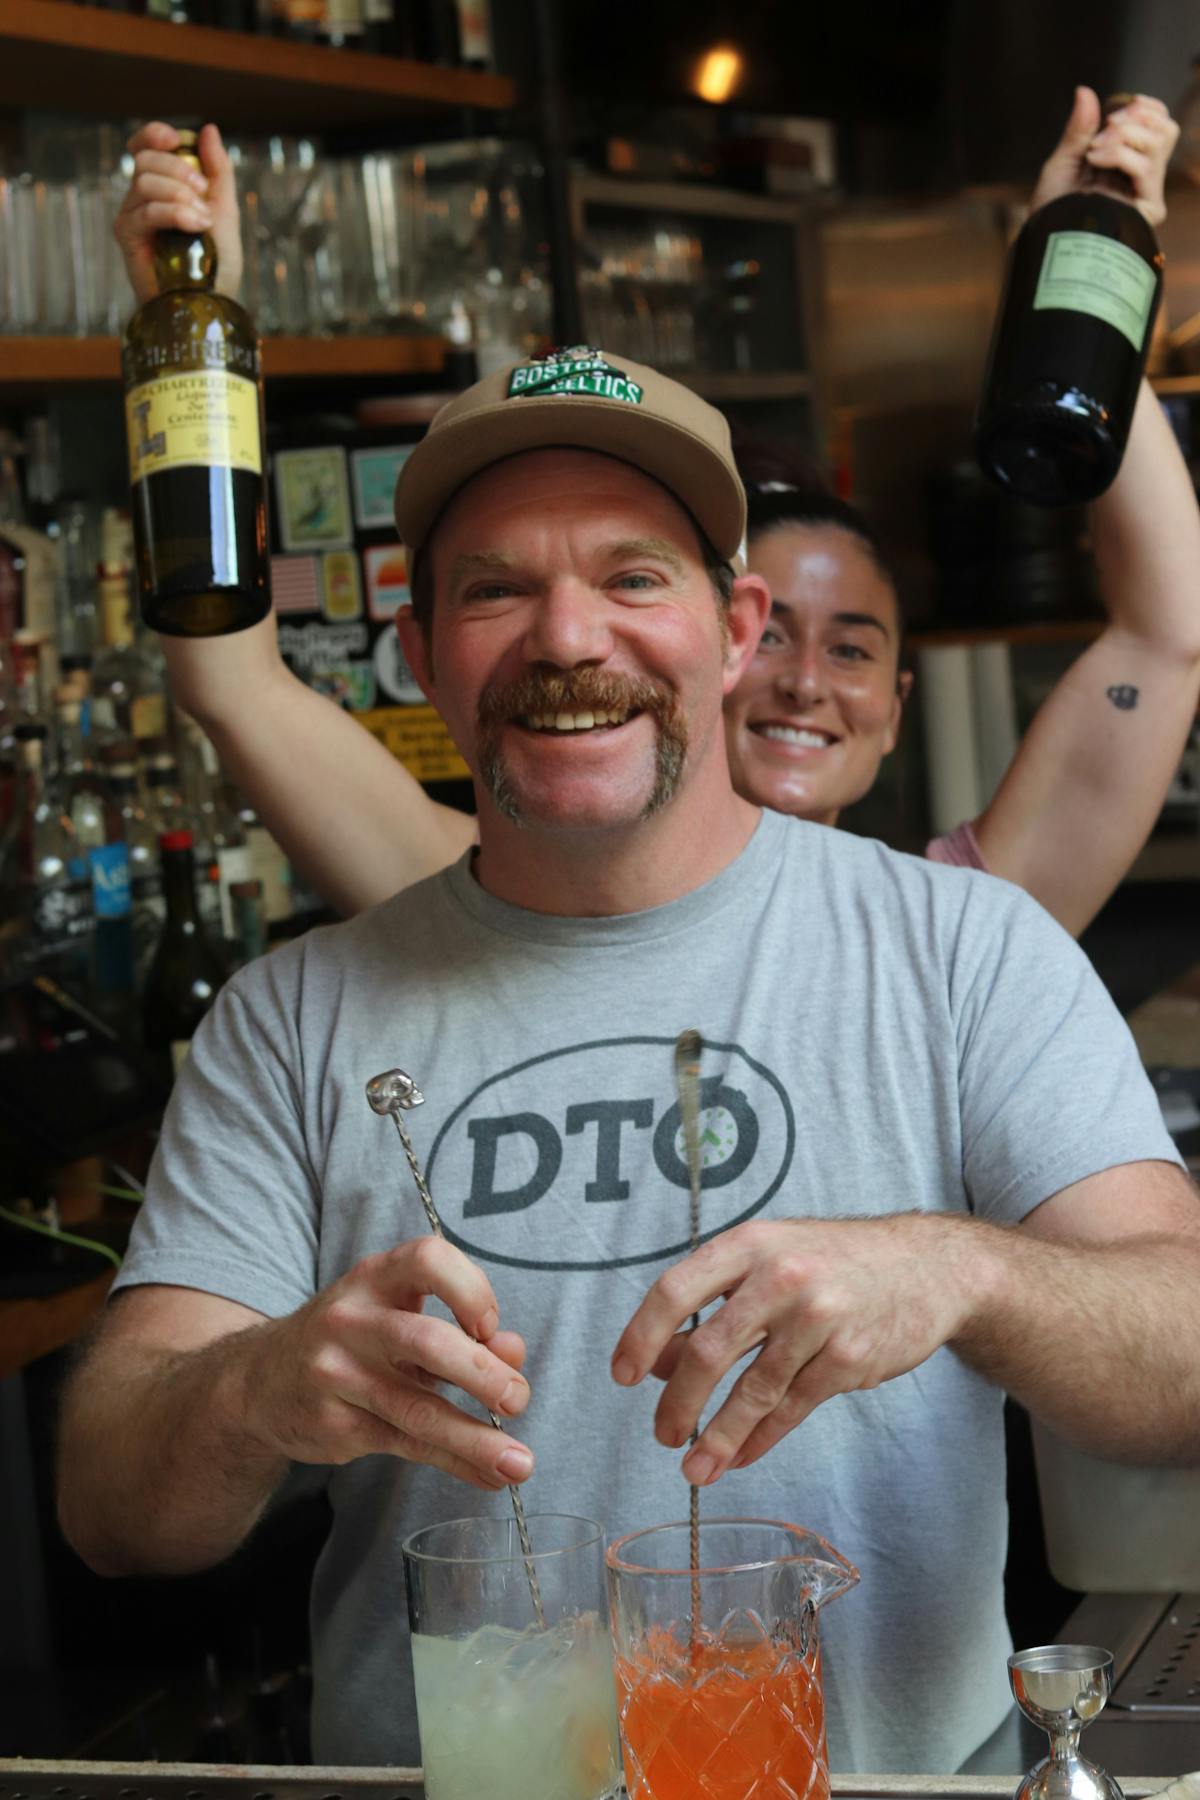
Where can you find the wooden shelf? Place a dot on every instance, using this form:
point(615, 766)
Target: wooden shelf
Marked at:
point(74, 58)
point(37, 362)
point(679, 197)
point(1176, 384)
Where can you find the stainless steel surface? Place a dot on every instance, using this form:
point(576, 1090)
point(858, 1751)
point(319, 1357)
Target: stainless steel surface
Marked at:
point(391, 1094)
point(28, 1780)
point(1062, 1688)
point(689, 1048)
point(1165, 1673)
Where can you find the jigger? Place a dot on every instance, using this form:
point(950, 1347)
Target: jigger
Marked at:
point(1062, 1688)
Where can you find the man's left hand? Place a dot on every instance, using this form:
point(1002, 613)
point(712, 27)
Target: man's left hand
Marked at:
point(830, 1305)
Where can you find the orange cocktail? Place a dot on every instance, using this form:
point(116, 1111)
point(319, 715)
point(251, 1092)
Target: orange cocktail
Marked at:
point(717, 1658)
point(722, 1719)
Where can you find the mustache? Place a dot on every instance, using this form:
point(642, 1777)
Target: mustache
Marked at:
point(574, 690)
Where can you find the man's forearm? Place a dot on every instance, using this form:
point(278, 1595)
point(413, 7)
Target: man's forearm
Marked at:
point(1101, 1342)
point(158, 1470)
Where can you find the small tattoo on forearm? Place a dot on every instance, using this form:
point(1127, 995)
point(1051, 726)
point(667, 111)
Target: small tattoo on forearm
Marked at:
point(1123, 697)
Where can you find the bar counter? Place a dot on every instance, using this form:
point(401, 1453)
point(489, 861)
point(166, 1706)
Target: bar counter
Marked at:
point(27, 1780)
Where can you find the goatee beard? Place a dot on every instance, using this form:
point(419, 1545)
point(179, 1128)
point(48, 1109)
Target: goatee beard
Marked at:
point(582, 690)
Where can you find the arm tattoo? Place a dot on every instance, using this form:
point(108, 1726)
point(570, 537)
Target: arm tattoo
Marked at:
point(1123, 697)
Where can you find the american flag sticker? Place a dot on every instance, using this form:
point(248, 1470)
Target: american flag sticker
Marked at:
point(296, 584)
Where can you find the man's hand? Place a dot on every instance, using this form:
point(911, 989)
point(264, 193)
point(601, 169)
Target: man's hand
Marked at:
point(836, 1305)
point(165, 194)
point(355, 1371)
point(1135, 140)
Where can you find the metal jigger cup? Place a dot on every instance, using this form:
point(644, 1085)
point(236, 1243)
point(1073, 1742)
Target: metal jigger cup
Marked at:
point(1062, 1688)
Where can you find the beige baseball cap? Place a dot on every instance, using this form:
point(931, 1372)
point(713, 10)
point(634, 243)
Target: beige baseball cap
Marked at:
point(580, 399)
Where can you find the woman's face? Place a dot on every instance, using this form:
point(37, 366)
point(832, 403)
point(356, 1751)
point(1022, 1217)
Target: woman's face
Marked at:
point(819, 705)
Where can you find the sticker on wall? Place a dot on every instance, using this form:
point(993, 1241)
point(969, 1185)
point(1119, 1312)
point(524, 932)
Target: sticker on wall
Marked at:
point(341, 589)
point(375, 473)
point(312, 495)
point(387, 580)
point(396, 680)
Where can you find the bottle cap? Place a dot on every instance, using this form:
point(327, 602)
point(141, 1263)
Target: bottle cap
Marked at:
point(175, 840)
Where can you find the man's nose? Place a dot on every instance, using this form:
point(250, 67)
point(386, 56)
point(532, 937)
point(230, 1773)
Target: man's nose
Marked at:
point(570, 625)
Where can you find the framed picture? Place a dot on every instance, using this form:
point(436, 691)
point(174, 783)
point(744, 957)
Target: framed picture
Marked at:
point(312, 497)
point(375, 473)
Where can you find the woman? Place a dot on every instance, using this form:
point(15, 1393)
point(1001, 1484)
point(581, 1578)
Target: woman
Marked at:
point(821, 704)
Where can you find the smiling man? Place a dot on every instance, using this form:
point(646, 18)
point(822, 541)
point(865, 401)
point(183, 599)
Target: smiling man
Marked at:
point(933, 1168)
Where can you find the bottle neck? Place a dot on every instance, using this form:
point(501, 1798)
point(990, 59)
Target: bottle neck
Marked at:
point(184, 259)
point(179, 886)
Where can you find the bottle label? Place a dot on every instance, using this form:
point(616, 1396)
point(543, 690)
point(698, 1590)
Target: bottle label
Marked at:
point(148, 715)
point(1086, 273)
point(203, 418)
point(112, 897)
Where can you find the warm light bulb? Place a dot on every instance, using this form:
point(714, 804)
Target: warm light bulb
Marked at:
point(718, 73)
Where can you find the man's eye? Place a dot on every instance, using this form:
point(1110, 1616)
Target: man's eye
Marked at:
point(637, 579)
point(491, 590)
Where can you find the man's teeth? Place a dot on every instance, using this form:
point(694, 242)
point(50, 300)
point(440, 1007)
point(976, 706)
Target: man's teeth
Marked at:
point(791, 734)
point(575, 721)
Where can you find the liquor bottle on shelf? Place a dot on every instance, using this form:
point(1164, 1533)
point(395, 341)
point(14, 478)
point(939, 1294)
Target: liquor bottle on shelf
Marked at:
point(249, 919)
point(193, 409)
point(129, 819)
point(383, 33)
point(50, 893)
point(129, 696)
point(343, 24)
point(1069, 347)
point(475, 33)
point(437, 38)
point(165, 806)
point(83, 790)
point(187, 969)
point(28, 563)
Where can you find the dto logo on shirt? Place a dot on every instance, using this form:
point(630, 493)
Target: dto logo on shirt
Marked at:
point(574, 1159)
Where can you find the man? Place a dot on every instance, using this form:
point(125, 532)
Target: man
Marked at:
point(934, 1168)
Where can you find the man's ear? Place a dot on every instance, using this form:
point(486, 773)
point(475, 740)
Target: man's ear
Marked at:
point(746, 620)
point(416, 652)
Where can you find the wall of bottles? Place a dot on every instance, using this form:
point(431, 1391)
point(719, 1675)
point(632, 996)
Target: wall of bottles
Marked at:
point(453, 32)
point(104, 784)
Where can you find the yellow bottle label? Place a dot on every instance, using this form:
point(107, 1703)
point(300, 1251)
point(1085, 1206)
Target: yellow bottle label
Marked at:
point(148, 715)
point(204, 417)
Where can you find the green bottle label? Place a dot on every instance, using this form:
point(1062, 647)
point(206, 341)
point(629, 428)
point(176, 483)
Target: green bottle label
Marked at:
point(1084, 272)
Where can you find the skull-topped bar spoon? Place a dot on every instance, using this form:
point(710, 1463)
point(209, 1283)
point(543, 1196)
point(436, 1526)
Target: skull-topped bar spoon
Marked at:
point(689, 1048)
point(390, 1095)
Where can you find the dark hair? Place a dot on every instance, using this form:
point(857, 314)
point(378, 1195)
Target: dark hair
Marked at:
point(784, 487)
point(421, 590)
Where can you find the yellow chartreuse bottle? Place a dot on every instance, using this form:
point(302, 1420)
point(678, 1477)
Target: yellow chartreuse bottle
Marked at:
point(193, 413)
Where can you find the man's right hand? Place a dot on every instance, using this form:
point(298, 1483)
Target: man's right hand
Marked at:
point(355, 1372)
point(165, 195)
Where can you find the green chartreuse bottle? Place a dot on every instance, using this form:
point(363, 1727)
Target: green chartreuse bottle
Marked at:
point(193, 412)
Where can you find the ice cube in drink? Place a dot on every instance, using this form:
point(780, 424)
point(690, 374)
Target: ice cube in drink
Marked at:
point(518, 1715)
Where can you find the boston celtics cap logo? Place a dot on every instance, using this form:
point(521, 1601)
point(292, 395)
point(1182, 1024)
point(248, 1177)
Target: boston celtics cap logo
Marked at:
point(579, 370)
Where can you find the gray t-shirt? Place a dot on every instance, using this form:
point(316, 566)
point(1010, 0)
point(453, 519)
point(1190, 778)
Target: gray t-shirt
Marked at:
point(881, 1035)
